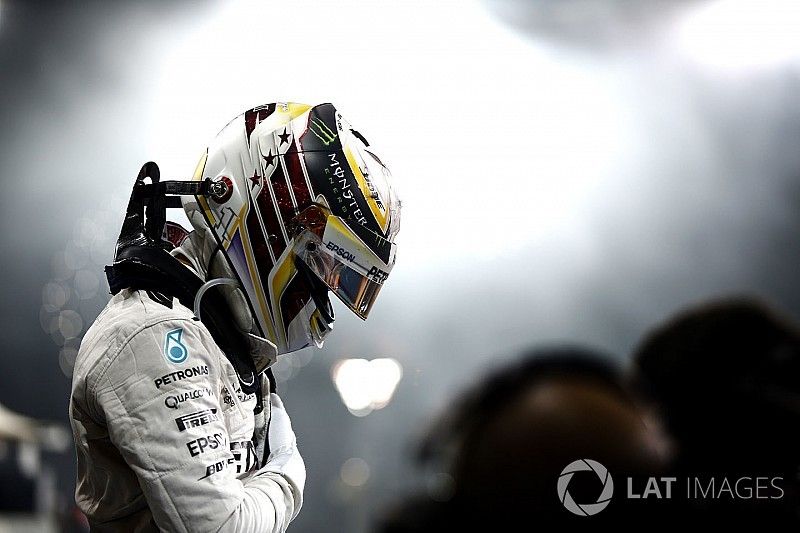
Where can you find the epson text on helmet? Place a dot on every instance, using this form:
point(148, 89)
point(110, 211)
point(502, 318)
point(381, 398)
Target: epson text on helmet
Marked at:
point(338, 250)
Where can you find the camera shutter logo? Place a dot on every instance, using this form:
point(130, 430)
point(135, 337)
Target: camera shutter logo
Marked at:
point(585, 509)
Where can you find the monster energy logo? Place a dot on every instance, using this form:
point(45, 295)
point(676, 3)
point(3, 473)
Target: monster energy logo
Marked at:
point(322, 131)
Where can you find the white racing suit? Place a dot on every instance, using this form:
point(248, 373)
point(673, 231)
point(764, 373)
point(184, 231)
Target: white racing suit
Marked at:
point(165, 437)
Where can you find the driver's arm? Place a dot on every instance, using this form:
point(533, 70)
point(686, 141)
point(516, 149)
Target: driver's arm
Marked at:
point(185, 470)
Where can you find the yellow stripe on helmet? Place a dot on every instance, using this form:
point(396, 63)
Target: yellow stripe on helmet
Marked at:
point(283, 115)
point(280, 278)
point(255, 278)
point(380, 215)
point(198, 176)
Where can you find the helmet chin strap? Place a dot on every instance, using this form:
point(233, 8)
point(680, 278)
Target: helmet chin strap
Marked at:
point(204, 256)
point(254, 340)
point(207, 285)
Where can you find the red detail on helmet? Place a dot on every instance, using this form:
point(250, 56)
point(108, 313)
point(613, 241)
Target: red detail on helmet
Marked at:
point(271, 222)
point(280, 189)
point(259, 244)
point(297, 178)
point(174, 233)
point(254, 116)
point(228, 192)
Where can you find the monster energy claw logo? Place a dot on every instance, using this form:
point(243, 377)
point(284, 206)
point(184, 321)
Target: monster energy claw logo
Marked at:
point(174, 350)
point(322, 131)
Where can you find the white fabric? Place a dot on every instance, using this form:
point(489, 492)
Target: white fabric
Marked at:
point(171, 442)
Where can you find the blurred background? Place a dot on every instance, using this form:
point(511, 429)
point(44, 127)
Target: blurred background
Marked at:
point(569, 169)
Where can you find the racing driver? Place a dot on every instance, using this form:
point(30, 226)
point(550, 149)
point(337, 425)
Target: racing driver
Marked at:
point(173, 410)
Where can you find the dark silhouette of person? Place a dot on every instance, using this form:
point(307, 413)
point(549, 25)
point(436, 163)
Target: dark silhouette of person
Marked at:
point(505, 444)
point(725, 378)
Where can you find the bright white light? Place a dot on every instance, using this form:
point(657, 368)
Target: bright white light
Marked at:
point(366, 385)
point(742, 34)
point(494, 142)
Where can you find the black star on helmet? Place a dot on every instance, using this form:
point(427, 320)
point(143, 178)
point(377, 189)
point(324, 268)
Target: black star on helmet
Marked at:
point(255, 178)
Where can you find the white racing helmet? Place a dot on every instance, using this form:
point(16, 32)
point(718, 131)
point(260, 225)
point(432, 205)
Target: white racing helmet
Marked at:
point(304, 206)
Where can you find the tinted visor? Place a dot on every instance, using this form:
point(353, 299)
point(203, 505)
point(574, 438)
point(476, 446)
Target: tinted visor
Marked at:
point(343, 261)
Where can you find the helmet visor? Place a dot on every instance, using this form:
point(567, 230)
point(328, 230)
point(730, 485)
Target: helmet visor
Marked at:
point(345, 263)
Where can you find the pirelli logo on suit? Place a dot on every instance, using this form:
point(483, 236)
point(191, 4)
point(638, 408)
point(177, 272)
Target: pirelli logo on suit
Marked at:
point(194, 420)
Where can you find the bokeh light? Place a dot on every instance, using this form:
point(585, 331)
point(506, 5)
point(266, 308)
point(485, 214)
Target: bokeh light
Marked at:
point(365, 386)
point(355, 472)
